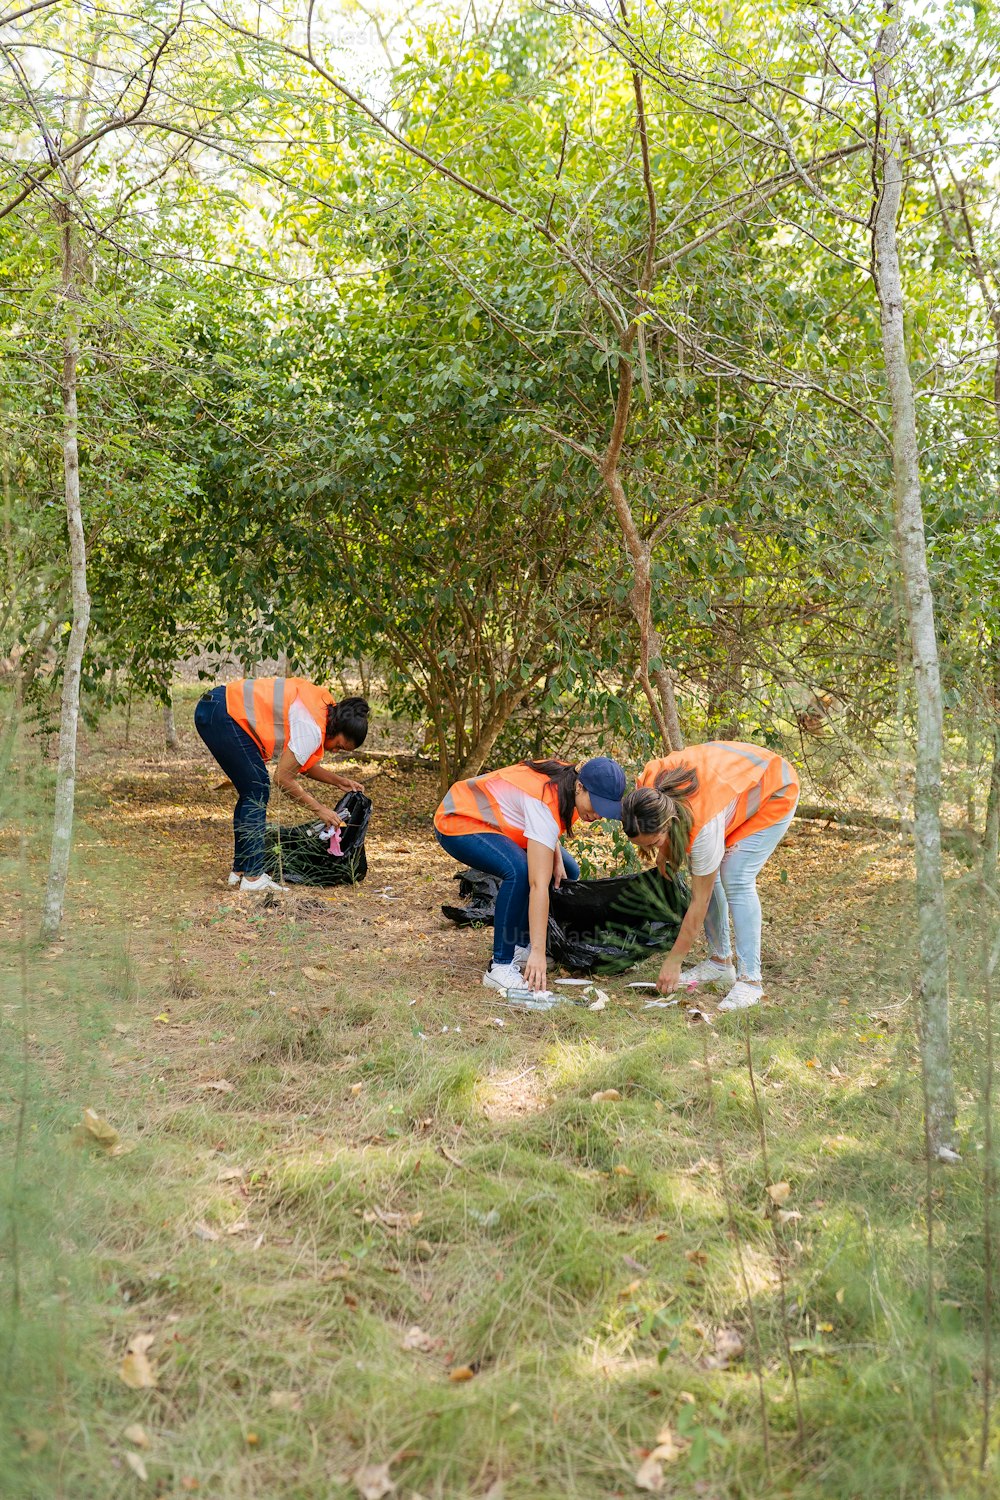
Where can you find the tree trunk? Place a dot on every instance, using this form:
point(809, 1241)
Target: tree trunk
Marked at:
point(662, 703)
point(912, 558)
point(475, 759)
point(62, 830)
point(991, 833)
point(169, 727)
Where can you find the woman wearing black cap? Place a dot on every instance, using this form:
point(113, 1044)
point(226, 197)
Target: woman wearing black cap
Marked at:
point(508, 823)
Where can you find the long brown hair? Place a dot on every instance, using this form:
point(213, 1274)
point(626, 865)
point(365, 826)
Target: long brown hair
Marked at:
point(563, 777)
point(663, 807)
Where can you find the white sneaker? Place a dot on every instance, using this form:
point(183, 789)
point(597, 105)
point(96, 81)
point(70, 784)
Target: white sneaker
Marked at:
point(504, 977)
point(708, 972)
point(234, 879)
point(521, 956)
point(743, 994)
point(261, 883)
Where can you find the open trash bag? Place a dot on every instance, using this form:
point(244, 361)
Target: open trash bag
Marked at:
point(302, 855)
point(602, 926)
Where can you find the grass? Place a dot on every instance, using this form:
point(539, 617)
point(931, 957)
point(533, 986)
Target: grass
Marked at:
point(386, 1159)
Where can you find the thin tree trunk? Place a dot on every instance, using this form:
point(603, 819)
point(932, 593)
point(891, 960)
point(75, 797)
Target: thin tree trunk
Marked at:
point(662, 702)
point(991, 833)
point(62, 830)
point(912, 557)
point(169, 727)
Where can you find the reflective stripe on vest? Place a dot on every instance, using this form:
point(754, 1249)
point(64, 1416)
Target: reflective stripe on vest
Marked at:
point(273, 717)
point(756, 779)
point(467, 807)
point(260, 706)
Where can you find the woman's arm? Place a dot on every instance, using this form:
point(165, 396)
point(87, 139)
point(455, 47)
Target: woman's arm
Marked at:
point(539, 874)
point(694, 918)
point(331, 778)
point(286, 774)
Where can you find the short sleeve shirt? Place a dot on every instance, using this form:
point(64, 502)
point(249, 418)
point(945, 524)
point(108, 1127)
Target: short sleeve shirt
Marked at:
point(525, 813)
point(304, 737)
point(706, 853)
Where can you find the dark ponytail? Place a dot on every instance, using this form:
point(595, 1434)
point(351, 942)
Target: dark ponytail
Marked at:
point(563, 777)
point(663, 807)
point(349, 717)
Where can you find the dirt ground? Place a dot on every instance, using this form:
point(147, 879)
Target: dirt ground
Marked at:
point(299, 1086)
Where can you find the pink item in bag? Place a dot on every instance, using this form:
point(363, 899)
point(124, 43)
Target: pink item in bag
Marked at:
point(333, 846)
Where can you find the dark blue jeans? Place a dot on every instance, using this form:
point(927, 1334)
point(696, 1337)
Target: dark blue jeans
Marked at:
point(498, 855)
point(240, 758)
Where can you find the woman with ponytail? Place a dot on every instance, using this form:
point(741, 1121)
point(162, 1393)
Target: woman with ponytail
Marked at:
point(725, 806)
point(508, 823)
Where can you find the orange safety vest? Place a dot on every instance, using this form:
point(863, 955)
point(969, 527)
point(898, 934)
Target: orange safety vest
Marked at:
point(471, 807)
point(260, 706)
point(764, 785)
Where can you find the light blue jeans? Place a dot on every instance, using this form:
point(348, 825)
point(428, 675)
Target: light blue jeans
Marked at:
point(735, 892)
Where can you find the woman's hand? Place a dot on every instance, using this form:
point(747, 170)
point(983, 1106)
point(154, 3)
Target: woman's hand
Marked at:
point(558, 868)
point(534, 970)
point(329, 817)
point(669, 976)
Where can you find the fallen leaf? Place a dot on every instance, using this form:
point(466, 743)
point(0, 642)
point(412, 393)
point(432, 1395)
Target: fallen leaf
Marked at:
point(230, 1174)
point(825, 1327)
point(779, 1192)
point(284, 1401)
point(252, 1439)
point(99, 1130)
point(668, 1448)
point(163, 1018)
point(138, 1371)
point(189, 1484)
point(604, 1096)
point(372, 1481)
point(416, 1339)
point(317, 974)
point(137, 1466)
point(812, 1062)
point(839, 1294)
point(391, 1220)
point(460, 1373)
point(622, 1171)
point(696, 1257)
point(787, 1215)
point(728, 1346)
point(218, 1086)
point(629, 1291)
point(205, 1231)
point(240, 1227)
point(649, 1475)
point(356, 1089)
point(137, 1435)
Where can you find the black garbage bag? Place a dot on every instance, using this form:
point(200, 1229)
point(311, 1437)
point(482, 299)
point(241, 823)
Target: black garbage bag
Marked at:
point(601, 926)
point(298, 856)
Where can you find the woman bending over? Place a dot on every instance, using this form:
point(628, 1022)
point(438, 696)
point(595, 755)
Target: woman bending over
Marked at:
point(726, 806)
point(508, 823)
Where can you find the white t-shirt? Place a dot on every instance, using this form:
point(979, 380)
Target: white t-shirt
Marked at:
point(709, 846)
point(525, 813)
point(304, 737)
